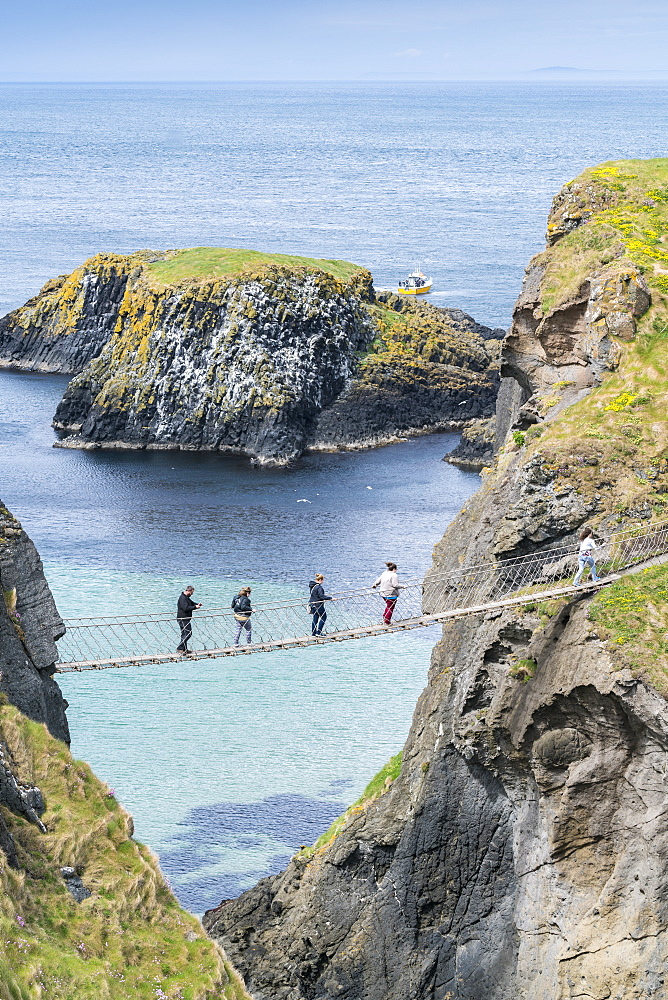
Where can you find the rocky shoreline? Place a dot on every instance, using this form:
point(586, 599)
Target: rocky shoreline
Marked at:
point(476, 447)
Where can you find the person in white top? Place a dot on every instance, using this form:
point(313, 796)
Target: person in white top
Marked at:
point(586, 557)
point(388, 581)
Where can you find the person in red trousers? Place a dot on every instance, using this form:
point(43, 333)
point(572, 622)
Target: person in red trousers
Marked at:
point(389, 585)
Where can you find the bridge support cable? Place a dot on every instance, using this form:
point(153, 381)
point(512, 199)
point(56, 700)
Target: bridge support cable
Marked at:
point(119, 640)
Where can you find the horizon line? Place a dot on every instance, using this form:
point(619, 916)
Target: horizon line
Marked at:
point(645, 78)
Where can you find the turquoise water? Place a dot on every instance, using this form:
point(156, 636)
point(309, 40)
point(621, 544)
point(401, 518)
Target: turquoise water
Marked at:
point(229, 765)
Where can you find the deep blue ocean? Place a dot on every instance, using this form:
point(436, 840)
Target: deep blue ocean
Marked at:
point(229, 766)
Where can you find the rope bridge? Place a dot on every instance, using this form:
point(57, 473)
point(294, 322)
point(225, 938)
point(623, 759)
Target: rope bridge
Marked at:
point(121, 641)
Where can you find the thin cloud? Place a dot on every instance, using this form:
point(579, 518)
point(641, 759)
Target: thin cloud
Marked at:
point(411, 53)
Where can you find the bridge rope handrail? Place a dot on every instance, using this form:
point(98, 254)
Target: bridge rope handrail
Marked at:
point(491, 565)
point(108, 638)
point(225, 609)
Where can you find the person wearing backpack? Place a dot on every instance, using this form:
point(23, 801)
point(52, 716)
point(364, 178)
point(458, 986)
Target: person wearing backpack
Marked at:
point(241, 606)
point(316, 605)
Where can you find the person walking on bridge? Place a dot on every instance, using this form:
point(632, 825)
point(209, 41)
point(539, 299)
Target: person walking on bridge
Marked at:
point(316, 604)
point(184, 616)
point(388, 581)
point(586, 558)
point(241, 606)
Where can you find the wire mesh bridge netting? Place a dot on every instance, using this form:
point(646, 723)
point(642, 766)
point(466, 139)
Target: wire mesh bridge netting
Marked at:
point(117, 641)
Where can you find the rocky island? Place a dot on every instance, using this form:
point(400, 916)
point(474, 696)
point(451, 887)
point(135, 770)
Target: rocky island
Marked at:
point(261, 354)
point(518, 846)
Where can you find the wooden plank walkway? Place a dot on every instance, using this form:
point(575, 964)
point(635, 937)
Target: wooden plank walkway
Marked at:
point(363, 632)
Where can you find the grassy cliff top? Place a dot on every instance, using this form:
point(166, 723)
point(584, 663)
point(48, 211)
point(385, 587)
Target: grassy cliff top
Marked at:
point(218, 262)
point(613, 444)
point(612, 212)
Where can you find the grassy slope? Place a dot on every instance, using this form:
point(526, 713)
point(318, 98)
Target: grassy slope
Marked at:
point(217, 262)
point(632, 614)
point(378, 784)
point(130, 939)
point(420, 332)
point(613, 443)
point(630, 202)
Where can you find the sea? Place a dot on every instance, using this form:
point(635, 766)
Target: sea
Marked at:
point(229, 766)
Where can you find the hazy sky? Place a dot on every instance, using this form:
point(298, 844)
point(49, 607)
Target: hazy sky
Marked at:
point(323, 40)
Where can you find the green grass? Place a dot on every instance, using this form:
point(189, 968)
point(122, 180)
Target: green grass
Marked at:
point(219, 262)
point(130, 939)
point(632, 614)
point(611, 447)
point(629, 221)
point(523, 670)
point(613, 443)
point(376, 787)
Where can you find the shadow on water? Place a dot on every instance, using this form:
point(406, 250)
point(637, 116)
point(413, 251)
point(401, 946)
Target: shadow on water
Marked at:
point(265, 833)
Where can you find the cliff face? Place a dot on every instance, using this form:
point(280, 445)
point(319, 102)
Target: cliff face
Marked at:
point(259, 354)
point(426, 369)
point(72, 317)
point(29, 626)
point(522, 852)
point(238, 364)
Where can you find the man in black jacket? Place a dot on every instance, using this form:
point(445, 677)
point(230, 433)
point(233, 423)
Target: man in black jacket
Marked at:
point(316, 606)
point(184, 616)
